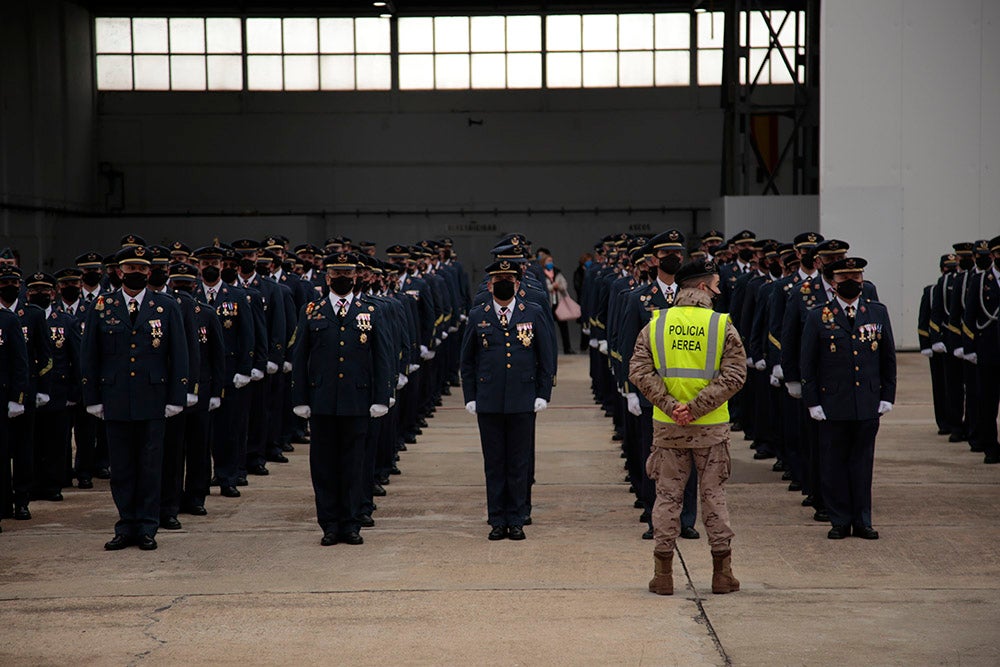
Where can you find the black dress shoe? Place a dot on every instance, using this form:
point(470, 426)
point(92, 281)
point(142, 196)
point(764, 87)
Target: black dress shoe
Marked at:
point(147, 543)
point(230, 492)
point(637, 504)
point(85, 484)
point(366, 521)
point(395, 471)
point(382, 479)
point(944, 431)
point(118, 542)
point(56, 497)
point(498, 533)
point(786, 476)
point(808, 501)
point(418, 431)
point(794, 486)
point(956, 437)
point(287, 447)
point(102, 473)
point(617, 437)
point(821, 515)
point(992, 458)
point(645, 517)
point(242, 481)
point(515, 533)
point(735, 426)
point(422, 423)
point(258, 469)
point(21, 513)
point(352, 538)
point(865, 532)
point(779, 466)
point(170, 523)
point(445, 391)
point(631, 488)
point(378, 490)
point(689, 533)
point(761, 455)
point(527, 521)
point(648, 535)
point(401, 447)
point(195, 510)
point(277, 458)
point(329, 539)
point(838, 532)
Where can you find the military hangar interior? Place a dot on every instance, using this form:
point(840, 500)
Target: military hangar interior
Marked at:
point(566, 122)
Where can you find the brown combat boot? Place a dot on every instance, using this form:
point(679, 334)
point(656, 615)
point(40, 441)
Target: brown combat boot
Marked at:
point(723, 580)
point(662, 582)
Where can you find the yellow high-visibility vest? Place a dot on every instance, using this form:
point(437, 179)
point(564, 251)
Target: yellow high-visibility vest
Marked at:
point(687, 343)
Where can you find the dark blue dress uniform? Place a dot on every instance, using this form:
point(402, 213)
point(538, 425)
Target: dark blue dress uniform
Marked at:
point(135, 369)
point(504, 370)
point(981, 318)
point(936, 361)
point(88, 431)
point(13, 389)
point(849, 370)
point(342, 369)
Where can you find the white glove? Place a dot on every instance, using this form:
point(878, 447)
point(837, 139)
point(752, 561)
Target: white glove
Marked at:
point(959, 352)
point(750, 362)
point(794, 389)
point(586, 330)
point(392, 402)
point(378, 410)
point(444, 335)
point(778, 372)
point(240, 381)
point(413, 368)
point(594, 343)
point(464, 318)
point(256, 374)
point(939, 348)
point(72, 404)
point(452, 329)
point(286, 367)
point(41, 399)
point(401, 381)
point(884, 407)
point(633, 404)
point(214, 403)
point(172, 411)
point(760, 364)
point(927, 352)
point(470, 407)
point(540, 404)
point(431, 355)
point(972, 358)
point(425, 354)
point(192, 399)
point(816, 412)
point(775, 382)
point(272, 368)
point(95, 410)
point(303, 411)
point(15, 409)
point(602, 347)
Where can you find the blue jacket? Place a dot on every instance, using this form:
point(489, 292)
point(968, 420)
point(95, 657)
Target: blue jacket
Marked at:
point(13, 360)
point(64, 378)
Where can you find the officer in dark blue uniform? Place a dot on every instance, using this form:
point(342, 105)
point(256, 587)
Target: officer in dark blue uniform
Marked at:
point(936, 360)
point(508, 362)
point(981, 318)
point(343, 374)
point(88, 431)
point(135, 361)
point(848, 367)
point(14, 375)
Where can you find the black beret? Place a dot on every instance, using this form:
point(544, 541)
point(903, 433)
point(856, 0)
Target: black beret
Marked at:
point(697, 268)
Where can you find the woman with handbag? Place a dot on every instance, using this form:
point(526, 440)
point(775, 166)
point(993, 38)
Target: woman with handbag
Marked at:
point(563, 307)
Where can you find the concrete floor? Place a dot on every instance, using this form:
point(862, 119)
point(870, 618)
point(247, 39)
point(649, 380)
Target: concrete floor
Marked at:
point(249, 583)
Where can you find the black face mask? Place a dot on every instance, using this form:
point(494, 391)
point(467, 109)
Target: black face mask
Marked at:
point(670, 264)
point(9, 293)
point(503, 290)
point(247, 266)
point(157, 278)
point(342, 285)
point(746, 254)
point(983, 262)
point(228, 275)
point(115, 281)
point(70, 293)
point(966, 263)
point(92, 278)
point(210, 274)
point(849, 289)
point(808, 261)
point(775, 269)
point(446, 254)
point(135, 281)
point(40, 299)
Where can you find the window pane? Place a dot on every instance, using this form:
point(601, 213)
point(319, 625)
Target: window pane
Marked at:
point(673, 31)
point(114, 72)
point(489, 70)
point(149, 35)
point(600, 70)
point(264, 72)
point(451, 72)
point(187, 35)
point(524, 70)
point(300, 36)
point(711, 25)
point(301, 73)
point(524, 33)
point(709, 67)
point(759, 35)
point(187, 72)
point(563, 70)
point(600, 33)
point(336, 72)
point(635, 31)
point(372, 35)
point(635, 68)
point(263, 36)
point(224, 36)
point(673, 68)
point(786, 36)
point(416, 35)
point(779, 71)
point(114, 36)
point(416, 72)
point(336, 36)
point(225, 73)
point(756, 58)
point(451, 34)
point(152, 73)
point(374, 72)
point(487, 36)
point(562, 33)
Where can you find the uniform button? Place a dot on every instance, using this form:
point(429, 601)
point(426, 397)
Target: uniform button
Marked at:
point(342, 343)
point(340, 375)
point(133, 346)
point(857, 384)
point(132, 359)
point(855, 353)
point(507, 344)
point(132, 374)
point(857, 368)
point(343, 329)
point(853, 337)
point(506, 333)
point(508, 366)
point(341, 359)
point(508, 354)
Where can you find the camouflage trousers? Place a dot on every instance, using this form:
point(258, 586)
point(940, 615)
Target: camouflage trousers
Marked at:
point(670, 468)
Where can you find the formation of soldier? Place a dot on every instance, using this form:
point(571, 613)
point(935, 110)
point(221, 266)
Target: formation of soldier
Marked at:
point(958, 332)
